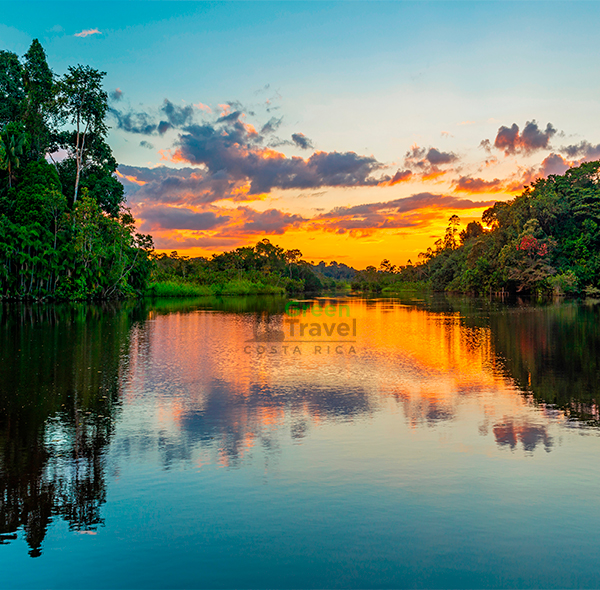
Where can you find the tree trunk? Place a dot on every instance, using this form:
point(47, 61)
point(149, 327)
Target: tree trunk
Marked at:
point(76, 180)
point(78, 156)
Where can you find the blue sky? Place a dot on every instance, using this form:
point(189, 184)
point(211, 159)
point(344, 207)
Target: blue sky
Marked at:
point(373, 78)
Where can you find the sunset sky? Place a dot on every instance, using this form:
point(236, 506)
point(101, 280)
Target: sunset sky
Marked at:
point(351, 131)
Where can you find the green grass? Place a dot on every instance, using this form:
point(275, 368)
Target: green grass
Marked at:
point(342, 286)
point(246, 287)
point(175, 289)
point(237, 287)
point(403, 287)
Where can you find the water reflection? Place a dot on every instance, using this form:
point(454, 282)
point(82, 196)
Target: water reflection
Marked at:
point(553, 353)
point(509, 433)
point(176, 379)
point(59, 400)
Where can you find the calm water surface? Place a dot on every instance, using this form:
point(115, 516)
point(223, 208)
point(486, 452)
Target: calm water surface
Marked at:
point(431, 443)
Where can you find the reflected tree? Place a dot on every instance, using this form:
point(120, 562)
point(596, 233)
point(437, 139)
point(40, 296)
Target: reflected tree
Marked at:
point(551, 352)
point(59, 398)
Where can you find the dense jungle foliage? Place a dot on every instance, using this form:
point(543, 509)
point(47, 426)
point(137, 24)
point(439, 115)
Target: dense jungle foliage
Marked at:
point(545, 241)
point(64, 230)
point(264, 268)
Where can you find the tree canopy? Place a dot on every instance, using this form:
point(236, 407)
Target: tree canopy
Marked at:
point(64, 229)
point(545, 241)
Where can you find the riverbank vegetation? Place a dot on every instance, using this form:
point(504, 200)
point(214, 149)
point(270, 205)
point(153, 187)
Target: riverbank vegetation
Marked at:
point(190, 289)
point(64, 230)
point(545, 241)
point(261, 269)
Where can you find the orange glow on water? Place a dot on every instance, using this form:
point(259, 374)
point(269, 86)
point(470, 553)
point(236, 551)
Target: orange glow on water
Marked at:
point(432, 366)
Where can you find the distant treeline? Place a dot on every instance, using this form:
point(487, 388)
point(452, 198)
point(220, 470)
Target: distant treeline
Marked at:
point(264, 268)
point(64, 231)
point(545, 241)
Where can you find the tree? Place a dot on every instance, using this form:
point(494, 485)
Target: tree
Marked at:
point(39, 104)
point(2, 154)
point(48, 248)
point(38, 198)
point(473, 230)
point(84, 104)
point(14, 142)
point(527, 258)
point(387, 267)
point(12, 93)
point(449, 241)
point(98, 176)
point(292, 257)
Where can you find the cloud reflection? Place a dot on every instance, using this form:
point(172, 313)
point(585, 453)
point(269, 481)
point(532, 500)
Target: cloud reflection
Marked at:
point(510, 433)
point(225, 394)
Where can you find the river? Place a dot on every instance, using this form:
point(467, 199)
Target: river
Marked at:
point(336, 442)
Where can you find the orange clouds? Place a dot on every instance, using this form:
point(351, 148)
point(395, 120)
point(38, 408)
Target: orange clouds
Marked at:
point(428, 164)
point(207, 225)
point(88, 32)
point(203, 107)
point(400, 176)
point(132, 179)
point(531, 139)
point(417, 211)
point(231, 161)
point(170, 156)
point(470, 185)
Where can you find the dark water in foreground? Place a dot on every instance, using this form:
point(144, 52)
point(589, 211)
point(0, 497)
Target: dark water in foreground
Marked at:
point(450, 443)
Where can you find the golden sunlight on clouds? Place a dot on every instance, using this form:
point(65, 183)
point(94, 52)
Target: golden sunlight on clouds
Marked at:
point(229, 184)
point(360, 248)
point(131, 178)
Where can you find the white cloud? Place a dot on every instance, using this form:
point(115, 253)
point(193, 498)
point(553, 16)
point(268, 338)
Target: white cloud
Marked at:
point(88, 32)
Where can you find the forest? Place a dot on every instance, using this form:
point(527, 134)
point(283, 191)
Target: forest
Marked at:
point(65, 232)
point(264, 268)
point(544, 242)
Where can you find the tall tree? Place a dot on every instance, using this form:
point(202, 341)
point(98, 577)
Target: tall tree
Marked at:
point(12, 94)
point(85, 105)
point(39, 104)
